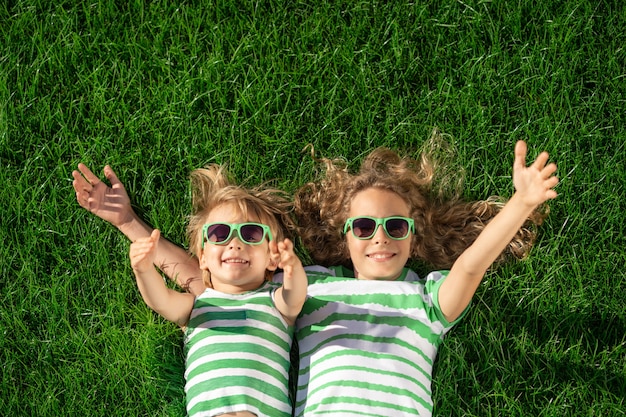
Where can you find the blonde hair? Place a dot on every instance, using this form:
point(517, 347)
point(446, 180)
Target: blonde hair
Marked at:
point(212, 186)
point(445, 225)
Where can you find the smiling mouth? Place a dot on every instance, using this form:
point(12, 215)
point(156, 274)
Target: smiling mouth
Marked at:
point(235, 261)
point(381, 256)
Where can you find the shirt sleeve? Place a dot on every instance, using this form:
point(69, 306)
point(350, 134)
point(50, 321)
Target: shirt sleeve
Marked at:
point(433, 284)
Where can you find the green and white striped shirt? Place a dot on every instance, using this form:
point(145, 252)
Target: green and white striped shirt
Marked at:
point(367, 347)
point(237, 355)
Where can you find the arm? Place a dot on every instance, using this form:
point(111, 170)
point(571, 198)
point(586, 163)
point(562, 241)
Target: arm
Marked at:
point(533, 185)
point(113, 205)
point(291, 296)
point(172, 305)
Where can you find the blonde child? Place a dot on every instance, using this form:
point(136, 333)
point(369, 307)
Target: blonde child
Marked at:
point(239, 330)
point(367, 346)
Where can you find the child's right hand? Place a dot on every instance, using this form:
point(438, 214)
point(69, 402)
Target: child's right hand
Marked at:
point(143, 252)
point(109, 203)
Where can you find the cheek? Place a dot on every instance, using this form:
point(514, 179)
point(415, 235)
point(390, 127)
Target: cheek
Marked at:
point(208, 254)
point(354, 246)
point(406, 246)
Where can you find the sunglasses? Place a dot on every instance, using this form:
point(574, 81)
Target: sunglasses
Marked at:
point(222, 233)
point(396, 227)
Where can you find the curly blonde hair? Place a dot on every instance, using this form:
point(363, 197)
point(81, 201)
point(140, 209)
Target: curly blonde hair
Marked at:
point(212, 186)
point(445, 225)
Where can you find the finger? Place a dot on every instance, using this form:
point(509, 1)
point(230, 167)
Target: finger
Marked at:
point(520, 155)
point(273, 248)
point(548, 170)
point(274, 254)
point(80, 183)
point(142, 249)
point(287, 245)
point(287, 255)
point(154, 239)
point(541, 160)
point(90, 176)
point(82, 200)
point(142, 241)
point(552, 182)
point(111, 176)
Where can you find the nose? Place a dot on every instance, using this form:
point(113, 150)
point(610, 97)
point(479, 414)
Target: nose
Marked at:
point(380, 236)
point(235, 243)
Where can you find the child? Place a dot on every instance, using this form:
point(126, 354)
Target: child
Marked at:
point(367, 346)
point(239, 330)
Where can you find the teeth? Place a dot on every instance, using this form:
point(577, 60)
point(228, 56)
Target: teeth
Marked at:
point(235, 261)
point(380, 255)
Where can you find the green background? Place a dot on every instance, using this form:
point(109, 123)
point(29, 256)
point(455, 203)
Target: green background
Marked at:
point(156, 89)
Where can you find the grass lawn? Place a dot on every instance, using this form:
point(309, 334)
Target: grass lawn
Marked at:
point(156, 89)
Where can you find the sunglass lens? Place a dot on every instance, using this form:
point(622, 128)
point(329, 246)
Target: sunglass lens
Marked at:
point(251, 233)
point(397, 228)
point(363, 228)
point(218, 233)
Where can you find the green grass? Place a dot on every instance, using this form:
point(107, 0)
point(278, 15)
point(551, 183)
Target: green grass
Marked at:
point(157, 89)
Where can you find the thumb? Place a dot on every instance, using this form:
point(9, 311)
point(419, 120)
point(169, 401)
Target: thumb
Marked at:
point(111, 176)
point(155, 235)
point(520, 155)
point(274, 254)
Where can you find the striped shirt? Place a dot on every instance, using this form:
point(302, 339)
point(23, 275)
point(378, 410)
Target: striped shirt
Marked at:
point(367, 347)
point(237, 355)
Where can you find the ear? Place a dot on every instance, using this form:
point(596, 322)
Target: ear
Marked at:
point(273, 264)
point(274, 256)
point(202, 261)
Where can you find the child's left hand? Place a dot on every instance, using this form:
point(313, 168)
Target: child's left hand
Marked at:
point(286, 259)
point(535, 182)
point(291, 295)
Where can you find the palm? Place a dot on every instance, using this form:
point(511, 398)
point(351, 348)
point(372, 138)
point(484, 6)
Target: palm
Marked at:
point(535, 182)
point(109, 203)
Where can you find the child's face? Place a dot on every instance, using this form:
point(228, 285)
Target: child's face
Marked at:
point(235, 267)
point(380, 257)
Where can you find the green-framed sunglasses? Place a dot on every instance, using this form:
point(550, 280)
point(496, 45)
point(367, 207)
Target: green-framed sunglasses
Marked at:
point(364, 227)
point(222, 233)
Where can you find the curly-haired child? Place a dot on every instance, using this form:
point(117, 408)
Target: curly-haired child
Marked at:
point(367, 346)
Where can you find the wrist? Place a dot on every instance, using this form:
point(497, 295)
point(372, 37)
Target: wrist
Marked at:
point(520, 201)
point(134, 228)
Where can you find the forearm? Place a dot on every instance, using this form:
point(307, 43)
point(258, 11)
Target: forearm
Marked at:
point(495, 237)
point(135, 228)
point(170, 304)
point(293, 294)
point(180, 266)
point(152, 288)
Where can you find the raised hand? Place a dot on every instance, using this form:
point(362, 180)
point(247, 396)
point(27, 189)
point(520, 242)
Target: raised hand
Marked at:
point(290, 297)
point(285, 258)
point(109, 203)
point(143, 252)
point(534, 183)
